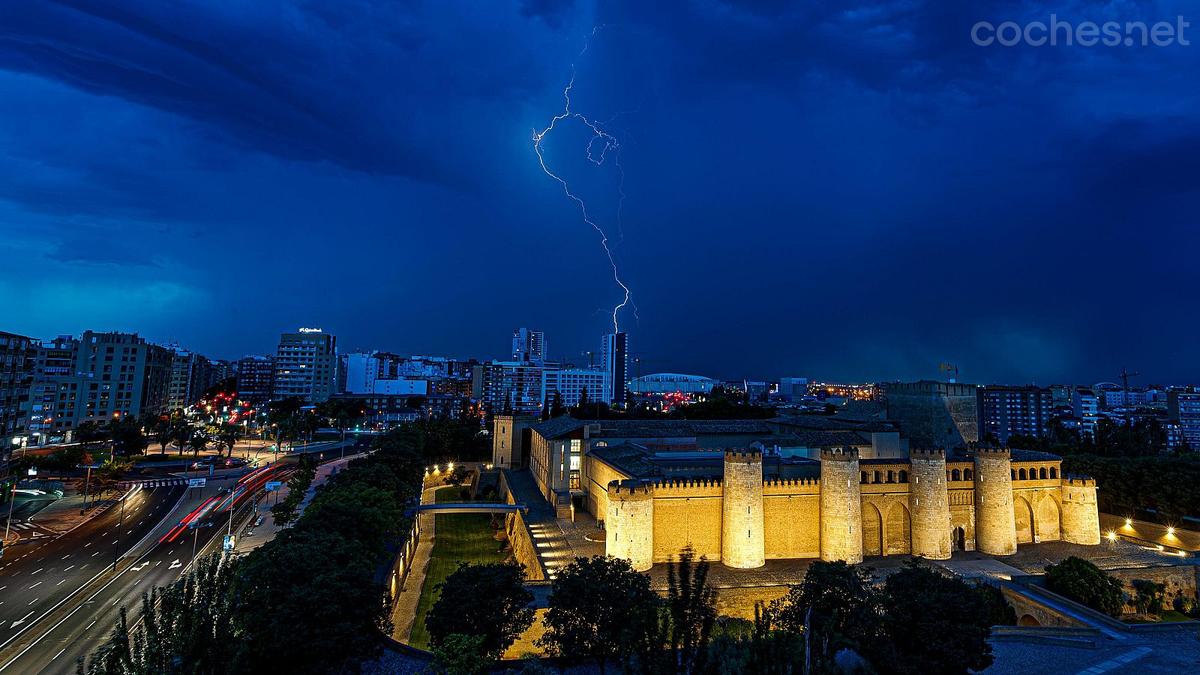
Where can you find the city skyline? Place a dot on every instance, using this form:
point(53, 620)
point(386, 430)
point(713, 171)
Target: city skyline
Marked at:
point(860, 195)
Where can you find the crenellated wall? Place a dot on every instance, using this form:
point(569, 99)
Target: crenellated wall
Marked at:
point(927, 506)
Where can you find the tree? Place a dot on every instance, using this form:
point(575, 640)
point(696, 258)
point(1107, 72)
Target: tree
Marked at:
point(127, 437)
point(835, 608)
point(601, 609)
point(483, 600)
point(557, 409)
point(198, 442)
point(690, 614)
point(462, 655)
point(227, 435)
point(1148, 596)
point(188, 623)
point(1083, 582)
point(765, 651)
point(934, 624)
point(181, 435)
point(90, 433)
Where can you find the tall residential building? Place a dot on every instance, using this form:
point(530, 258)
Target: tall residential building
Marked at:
point(614, 360)
point(570, 384)
point(933, 414)
point(1008, 411)
point(56, 387)
point(120, 375)
point(528, 345)
point(16, 375)
point(377, 373)
point(1184, 408)
point(256, 378)
point(1085, 406)
point(511, 387)
point(305, 365)
point(191, 375)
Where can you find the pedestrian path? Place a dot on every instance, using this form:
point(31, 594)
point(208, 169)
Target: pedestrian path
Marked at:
point(152, 483)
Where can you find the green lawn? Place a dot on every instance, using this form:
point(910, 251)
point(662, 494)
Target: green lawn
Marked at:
point(457, 538)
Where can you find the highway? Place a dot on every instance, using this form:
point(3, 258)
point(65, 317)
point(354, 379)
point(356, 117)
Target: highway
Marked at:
point(78, 627)
point(39, 574)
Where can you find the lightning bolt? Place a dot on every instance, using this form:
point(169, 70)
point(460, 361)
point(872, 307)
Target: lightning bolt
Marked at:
point(599, 147)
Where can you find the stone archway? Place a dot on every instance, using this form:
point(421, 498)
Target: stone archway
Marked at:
point(958, 537)
point(897, 532)
point(1028, 620)
point(872, 530)
point(1049, 520)
point(1023, 519)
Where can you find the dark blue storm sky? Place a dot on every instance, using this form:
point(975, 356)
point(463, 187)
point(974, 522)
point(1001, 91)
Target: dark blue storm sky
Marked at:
point(839, 190)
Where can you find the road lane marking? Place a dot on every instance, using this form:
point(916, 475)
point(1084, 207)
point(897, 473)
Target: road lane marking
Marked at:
point(38, 570)
point(31, 602)
point(65, 570)
point(20, 621)
point(60, 653)
point(35, 585)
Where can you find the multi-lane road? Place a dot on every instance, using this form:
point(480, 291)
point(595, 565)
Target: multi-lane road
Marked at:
point(60, 598)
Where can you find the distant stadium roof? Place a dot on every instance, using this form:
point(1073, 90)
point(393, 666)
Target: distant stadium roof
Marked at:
point(665, 383)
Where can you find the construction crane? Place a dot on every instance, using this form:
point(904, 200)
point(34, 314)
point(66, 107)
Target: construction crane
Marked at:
point(1125, 375)
point(951, 370)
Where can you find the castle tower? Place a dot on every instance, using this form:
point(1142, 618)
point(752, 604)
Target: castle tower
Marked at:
point(841, 506)
point(995, 526)
point(629, 523)
point(1080, 516)
point(929, 503)
point(743, 543)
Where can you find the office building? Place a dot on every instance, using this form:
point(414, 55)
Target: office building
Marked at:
point(614, 359)
point(305, 366)
point(256, 378)
point(569, 384)
point(1013, 411)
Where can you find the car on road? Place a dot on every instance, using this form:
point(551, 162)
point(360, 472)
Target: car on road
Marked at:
point(218, 463)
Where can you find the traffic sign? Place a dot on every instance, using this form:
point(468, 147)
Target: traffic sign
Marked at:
point(227, 545)
point(197, 482)
point(273, 485)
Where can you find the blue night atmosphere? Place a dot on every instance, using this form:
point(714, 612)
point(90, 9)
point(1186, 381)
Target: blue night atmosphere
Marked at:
point(849, 191)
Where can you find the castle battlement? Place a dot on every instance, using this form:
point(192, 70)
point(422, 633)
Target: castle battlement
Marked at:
point(743, 455)
point(629, 488)
point(791, 482)
point(662, 486)
point(928, 454)
point(1079, 481)
point(997, 453)
point(846, 454)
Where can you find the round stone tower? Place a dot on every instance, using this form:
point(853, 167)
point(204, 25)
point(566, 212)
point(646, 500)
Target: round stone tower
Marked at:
point(1080, 515)
point(841, 506)
point(995, 526)
point(743, 545)
point(929, 503)
point(629, 523)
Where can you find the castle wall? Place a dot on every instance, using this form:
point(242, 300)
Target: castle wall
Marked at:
point(596, 477)
point(742, 544)
point(687, 513)
point(792, 518)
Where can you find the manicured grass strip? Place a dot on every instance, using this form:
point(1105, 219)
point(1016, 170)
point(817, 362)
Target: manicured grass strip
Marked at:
point(465, 537)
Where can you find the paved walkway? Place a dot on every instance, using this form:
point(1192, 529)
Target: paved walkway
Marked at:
point(404, 612)
point(253, 536)
point(1142, 531)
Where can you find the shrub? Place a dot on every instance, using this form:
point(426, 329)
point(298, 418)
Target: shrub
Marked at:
point(1083, 582)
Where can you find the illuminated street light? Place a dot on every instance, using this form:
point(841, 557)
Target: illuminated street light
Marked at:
point(1170, 532)
point(1112, 536)
point(1129, 522)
